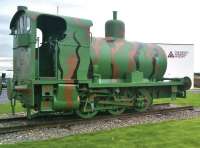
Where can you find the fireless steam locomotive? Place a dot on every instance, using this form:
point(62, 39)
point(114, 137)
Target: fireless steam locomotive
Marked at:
point(65, 69)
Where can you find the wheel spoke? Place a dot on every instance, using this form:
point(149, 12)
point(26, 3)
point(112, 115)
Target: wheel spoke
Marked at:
point(86, 115)
point(116, 111)
point(86, 110)
point(144, 101)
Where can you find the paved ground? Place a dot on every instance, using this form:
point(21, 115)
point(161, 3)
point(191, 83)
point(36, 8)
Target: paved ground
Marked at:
point(195, 90)
point(3, 97)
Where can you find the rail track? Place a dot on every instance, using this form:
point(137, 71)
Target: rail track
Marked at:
point(16, 124)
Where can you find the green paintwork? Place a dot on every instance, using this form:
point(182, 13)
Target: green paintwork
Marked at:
point(10, 89)
point(118, 59)
point(117, 111)
point(137, 84)
point(115, 28)
point(63, 102)
point(73, 71)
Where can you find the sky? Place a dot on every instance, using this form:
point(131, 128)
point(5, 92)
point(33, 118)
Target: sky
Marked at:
point(150, 21)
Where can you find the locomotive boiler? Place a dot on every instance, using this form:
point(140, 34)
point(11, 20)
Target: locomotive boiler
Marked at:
point(65, 69)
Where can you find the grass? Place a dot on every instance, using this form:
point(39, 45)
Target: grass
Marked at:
point(171, 134)
point(6, 108)
point(192, 99)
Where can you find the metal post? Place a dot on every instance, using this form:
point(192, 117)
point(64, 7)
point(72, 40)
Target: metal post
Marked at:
point(57, 9)
point(13, 104)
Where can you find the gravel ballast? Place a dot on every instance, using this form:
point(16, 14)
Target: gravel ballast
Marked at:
point(93, 126)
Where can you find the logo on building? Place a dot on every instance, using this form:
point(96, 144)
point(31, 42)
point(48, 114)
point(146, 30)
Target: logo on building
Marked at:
point(177, 54)
point(170, 55)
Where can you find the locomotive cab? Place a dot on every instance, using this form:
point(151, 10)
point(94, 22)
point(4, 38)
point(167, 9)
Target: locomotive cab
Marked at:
point(47, 50)
point(52, 29)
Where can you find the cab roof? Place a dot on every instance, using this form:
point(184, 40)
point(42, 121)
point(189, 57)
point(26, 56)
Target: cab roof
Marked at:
point(34, 15)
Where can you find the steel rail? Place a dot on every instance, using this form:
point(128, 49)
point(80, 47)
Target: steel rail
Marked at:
point(68, 122)
point(23, 117)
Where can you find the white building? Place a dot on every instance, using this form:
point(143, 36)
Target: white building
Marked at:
point(180, 60)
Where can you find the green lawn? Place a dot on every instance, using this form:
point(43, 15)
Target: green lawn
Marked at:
point(192, 99)
point(5, 108)
point(171, 134)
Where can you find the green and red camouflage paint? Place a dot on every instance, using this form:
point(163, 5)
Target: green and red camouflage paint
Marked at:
point(123, 57)
point(111, 58)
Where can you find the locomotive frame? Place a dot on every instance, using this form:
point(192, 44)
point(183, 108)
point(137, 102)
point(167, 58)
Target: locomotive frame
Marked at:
point(60, 76)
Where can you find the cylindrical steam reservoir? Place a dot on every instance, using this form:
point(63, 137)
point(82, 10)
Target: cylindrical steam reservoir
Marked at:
point(117, 59)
